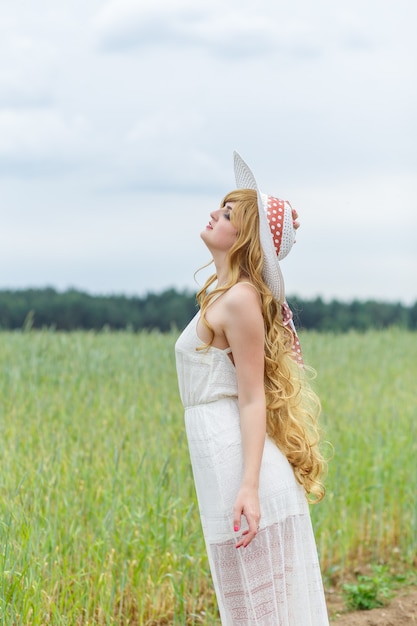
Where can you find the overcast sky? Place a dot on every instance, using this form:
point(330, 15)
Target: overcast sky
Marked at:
point(118, 120)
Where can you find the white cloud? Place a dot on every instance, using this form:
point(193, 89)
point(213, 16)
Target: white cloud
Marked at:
point(134, 107)
point(27, 68)
point(299, 30)
point(235, 28)
point(167, 124)
point(40, 133)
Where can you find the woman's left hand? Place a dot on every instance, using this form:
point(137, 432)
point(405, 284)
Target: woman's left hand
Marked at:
point(247, 504)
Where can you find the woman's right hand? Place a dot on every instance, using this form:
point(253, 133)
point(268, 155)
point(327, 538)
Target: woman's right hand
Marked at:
point(247, 504)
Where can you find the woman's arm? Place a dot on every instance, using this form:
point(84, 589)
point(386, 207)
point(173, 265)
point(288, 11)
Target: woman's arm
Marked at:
point(244, 330)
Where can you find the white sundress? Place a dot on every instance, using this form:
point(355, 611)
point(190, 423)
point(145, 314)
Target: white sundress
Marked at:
point(276, 580)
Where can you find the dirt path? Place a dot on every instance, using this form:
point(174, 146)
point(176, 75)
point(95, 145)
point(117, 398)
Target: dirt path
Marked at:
point(401, 611)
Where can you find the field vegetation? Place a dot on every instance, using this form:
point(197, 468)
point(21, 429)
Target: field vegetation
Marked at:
point(76, 310)
point(98, 516)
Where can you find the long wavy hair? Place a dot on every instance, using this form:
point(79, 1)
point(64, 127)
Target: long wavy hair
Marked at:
point(292, 406)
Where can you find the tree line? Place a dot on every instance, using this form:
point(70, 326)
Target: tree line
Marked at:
point(77, 310)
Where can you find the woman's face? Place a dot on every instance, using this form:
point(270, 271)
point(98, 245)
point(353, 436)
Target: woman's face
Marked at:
point(220, 234)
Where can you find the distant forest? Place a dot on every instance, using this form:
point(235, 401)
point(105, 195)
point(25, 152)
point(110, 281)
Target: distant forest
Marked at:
point(171, 309)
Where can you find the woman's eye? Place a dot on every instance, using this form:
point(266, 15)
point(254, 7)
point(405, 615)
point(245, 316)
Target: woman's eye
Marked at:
point(227, 215)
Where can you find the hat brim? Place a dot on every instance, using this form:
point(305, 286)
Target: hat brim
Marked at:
point(271, 271)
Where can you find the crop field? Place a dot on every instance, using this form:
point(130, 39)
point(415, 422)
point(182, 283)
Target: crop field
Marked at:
point(98, 516)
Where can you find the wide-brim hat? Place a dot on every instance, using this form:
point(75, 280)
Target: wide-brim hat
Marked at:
point(276, 229)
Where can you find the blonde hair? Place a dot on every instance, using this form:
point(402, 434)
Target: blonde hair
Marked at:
point(292, 406)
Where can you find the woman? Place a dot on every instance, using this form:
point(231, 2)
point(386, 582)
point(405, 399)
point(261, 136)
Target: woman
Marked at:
point(251, 419)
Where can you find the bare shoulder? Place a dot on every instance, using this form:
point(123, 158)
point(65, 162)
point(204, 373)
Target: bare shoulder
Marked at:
point(243, 324)
point(242, 295)
point(242, 309)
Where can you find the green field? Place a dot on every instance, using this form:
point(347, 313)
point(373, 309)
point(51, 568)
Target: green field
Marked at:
point(98, 521)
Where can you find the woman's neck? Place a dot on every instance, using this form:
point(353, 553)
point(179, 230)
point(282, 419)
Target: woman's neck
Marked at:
point(222, 269)
point(223, 277)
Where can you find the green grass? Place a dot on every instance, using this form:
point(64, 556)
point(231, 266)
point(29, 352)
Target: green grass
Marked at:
point(98, 517)
point(370, 592)
point(367, 386)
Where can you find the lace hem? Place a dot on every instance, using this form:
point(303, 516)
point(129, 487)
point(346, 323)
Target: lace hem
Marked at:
point(275, 581)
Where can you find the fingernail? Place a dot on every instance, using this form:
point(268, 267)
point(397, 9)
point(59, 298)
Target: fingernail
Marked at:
point(236, 528)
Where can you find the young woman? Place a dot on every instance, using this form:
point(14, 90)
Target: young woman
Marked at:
point(251, 419)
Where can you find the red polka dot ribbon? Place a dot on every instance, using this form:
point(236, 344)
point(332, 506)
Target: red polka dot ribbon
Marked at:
point(275, 215)
point(288, 321)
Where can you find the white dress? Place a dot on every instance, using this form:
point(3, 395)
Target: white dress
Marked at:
point(276, 580)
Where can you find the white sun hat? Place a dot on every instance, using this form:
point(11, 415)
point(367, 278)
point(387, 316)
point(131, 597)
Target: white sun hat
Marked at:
point(276, 229)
